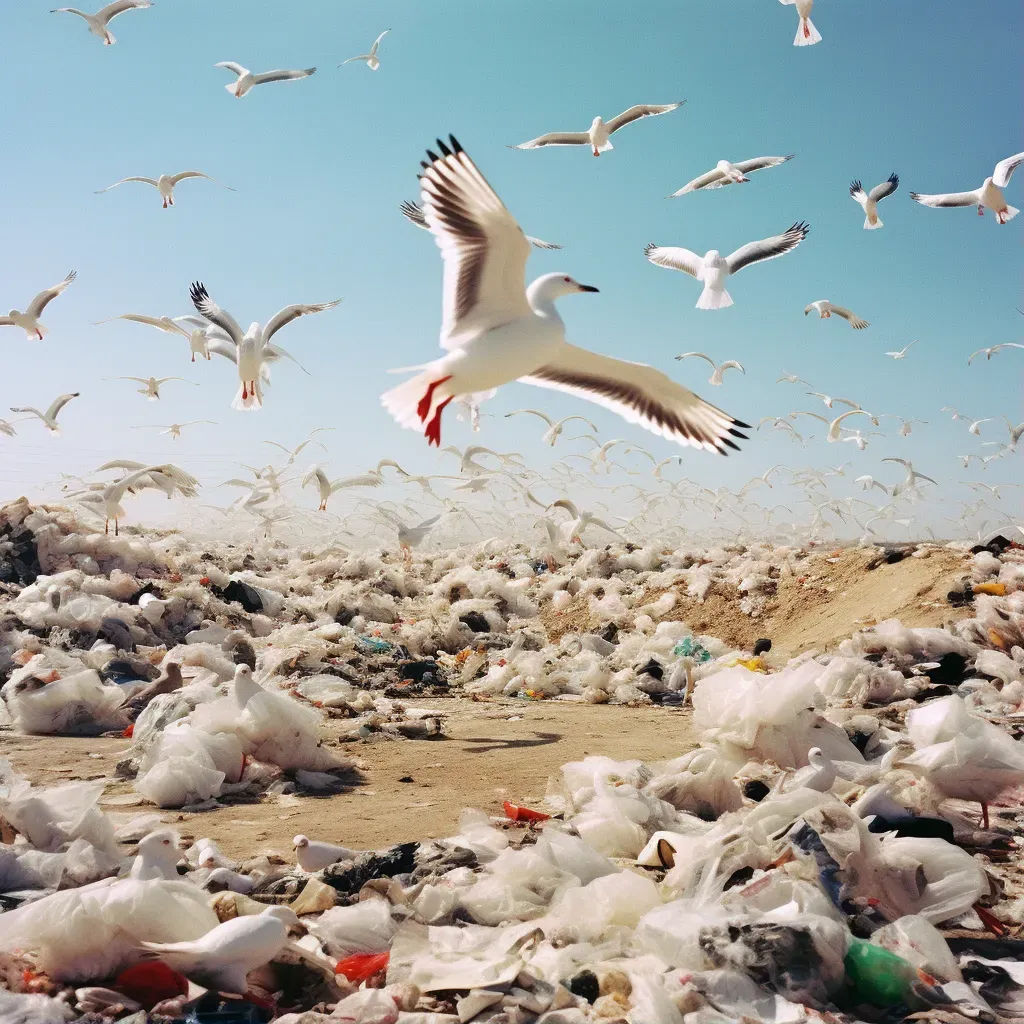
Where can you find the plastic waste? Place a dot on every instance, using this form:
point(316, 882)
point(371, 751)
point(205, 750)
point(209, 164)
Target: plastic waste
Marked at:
point(880, 978)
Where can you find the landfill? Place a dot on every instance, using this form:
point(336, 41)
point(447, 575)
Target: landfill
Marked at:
point(837, 838)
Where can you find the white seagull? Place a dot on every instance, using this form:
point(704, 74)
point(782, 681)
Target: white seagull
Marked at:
point(869, 200)
point(792, 378)
point(49, 417)
point(555, 427)
point(902, 353)
point(726, 173)
point(370, 58)
point(828, 400)
point(246, 79)
point(251, 350)
point(166, 478)
point(413, 212)
point(826, 309)
point(151, 385)
point(98, 22)
point(719, 371)
point(909, 482)
point(29, 320)
point(598, 137)
point(328, 487)
point(990, 193)
point(197, 335)
point(806, 33)
point(495, 330)
point(166, 182)
point(714, 269)
point(174, 429)
point(990, 352)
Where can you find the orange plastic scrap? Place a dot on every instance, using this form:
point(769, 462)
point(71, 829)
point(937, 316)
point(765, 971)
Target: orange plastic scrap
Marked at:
point(150, 983)
point(997, 640)
point(995, 589)
point(360, 966)
point(517, 813)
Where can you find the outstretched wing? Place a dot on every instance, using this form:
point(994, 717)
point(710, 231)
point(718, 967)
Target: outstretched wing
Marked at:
point(281, 76)
point(290, 313)
point(119, 7)
point(1005, 168)
point(712, 179)
point(206, 307)
point(147, 181)
point(946, 199)
point(556, 139)
point(767, 248)
point(674, 257)
point(639, 111)
point(44, 298)
point(182, 175)
point(159, 322)
point(855, 321)
point(886, 188)
point(759, 163)
point(59, 403)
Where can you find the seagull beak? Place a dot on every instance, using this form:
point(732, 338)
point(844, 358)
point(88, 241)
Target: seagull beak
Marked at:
point(588, 288)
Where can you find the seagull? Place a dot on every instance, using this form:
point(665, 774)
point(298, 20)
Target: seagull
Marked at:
point(910, 481)
point(806, 33)
point(1016, 432)
point(98, 22)
point(598, 137)
point(174, 429)
point(792, 378)
point(836, 426)
point(975, 427)
point(555, 428)
point(246, 79)
point(49, 417)
point(29, 320)
point(166, 182)
point(828, 400)
point(867, 482)
point(252, 350)
point(413, 212)
point(906, 426)
point(990, 193)
point(410, 537)
point(313, 855)
point(328, 487)
point(902, 354)
point(151, 385)
point(826, 309)
point(990, 352)
point(719, 371)
point(495, 330)
point(8, 428)
point(166, 478)
point(370, 58)
point(581, 520)
point(713, 269)
point(869, 200)
point(293, 453)
point(726, 173)
point(196, 336)
point(956, 415)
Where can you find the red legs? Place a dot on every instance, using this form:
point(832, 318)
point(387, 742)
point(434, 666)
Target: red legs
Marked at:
point(1001, 217)
point(39, 334)
point(425, 402)
point(323, 506)
point(807, 30)
point(433, 431)
point(193, 357)
point(596, 152)
point(106, 527)
point(984, 814)
point(981, 210)
point(245, 391)
point(165, 202)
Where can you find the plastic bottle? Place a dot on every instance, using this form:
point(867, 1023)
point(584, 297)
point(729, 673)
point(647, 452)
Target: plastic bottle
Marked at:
point(880, 978)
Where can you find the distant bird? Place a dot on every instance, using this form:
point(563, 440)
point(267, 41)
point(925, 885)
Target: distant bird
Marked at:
point(975, 427)
point(581, 520)
point(990, 352)
point(792, 378)
point(7, 428)
point(293, 453)
point(410, 537)
point(910, 481)
point(151, 385)
point(835, 427)
point(174, 429)
point(29, 320)
point(990, 193)
point(869, 200)
point(906, 426)
point(555, 428)
point(826, 309)
point(598, 138)
point(312, 855)
point(714, 269)
point(719, 371)
point(49, 417)
point(413, 212)
point(1016, 432)
point(166, 478)
point(98, 22)
point(806, 33)
point(902, 354)
point(166, 182)
point(246, 79)
point(197, 335)
point(828, 400)
point(726, 173)
point(370, 58)
point(956, 415)
point(867, 482)
point(328, 487)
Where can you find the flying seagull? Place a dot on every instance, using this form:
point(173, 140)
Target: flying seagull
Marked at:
point(869, 200)
point(413, 212)
point(726, 173)
point(598, 137)
point(246, 79)
point(166, 182)
point(826, 309)
point(990, 193)
point(806, 33)
point(988, 353)
point(99, 21)
point(370, 58)
point(196, 337)
point(49, 417)
point(719, 371)
point(902, 353)
point(29, 320)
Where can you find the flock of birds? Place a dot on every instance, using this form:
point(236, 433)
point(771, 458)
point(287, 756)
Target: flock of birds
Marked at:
point(496, 329)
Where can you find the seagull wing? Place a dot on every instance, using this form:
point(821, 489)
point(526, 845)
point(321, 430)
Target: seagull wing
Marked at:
point(712, 179)
point(182, 175)
point(556, 139)
point(290, 313)
point(699, 355)
point(376, 42)
point(414, 212)
point(539, 243)
point(223, 347)
point(281, 76)
point(104, 14)
point(732, 364)
point(855, 321)
point(533, 412)
point(1005, 168)
point(208, 308)
point(767, 248)
point(148, 181)
point(759, 163)
point(361, 56)
point(232, 67)
point(161, 323)
point(271, 353)
point(639, 111)
point(58, 403)
point(640, 394)
point(44, 298)
point(857, 193)
point(886, 188)
point(946, 199)
point(674, 257)
point(483, 248)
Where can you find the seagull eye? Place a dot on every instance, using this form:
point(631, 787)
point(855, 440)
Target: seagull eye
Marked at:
point(568, 280)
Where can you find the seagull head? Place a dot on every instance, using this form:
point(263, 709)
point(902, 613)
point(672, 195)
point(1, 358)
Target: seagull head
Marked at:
point(554, 286)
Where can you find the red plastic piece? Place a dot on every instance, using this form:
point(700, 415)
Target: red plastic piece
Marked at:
point(151, 982)
point(517, 813)
point(360, 966)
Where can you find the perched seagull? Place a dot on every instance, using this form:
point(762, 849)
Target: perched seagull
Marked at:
point(166, 182)
point(328, 487)
point(246, 79)
point(29, 320)
point(990, 352)
point(713, 270)
point(370, 58)
point(869, 200)
point(197, 336)
point(174, 429)
point(413, 212)
point(496, 330)
point(555, 428)
point(826, 309)
point(313, 855)
point(990, 193)
point(806, 33)
point(726, 173)
point(792, 378)
point(49, 417)
point(828, 400)
point(151, 385)
point(250, 351)
point(98, 22)
point(719, 371)
point(902, 354)
point(598, 138)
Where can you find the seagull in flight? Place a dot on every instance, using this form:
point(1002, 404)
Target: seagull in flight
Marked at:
point(151, 385)
point(726, 173)
point(869, 200)
point(828, 400)
point(99, 21)
point(49, 417)
point(598, 138)
point(990, 352)
point(370, 58)
point(792, 378)
point(555, 428)
point(174, 429)
point(826, 309)
point(806, 33)
point(166, 182)
point(956, 415)
point(328, 487)
point(196, 335)
point(990, 194)
point(413, 212)
point(714, 270)
point(910, 481)
point(719, 371)
point(29, 320)
point(247, 79)
point(902, 353)
point(496, 330)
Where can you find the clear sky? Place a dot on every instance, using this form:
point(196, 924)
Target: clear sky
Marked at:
point(929, 90)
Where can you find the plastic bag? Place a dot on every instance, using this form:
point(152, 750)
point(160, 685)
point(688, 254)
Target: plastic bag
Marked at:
point(918, 941)
point(78, 705)
point(365, 927)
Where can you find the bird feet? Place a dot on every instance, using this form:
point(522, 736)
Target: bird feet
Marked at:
point(423, 408)
point(323, 506)
point(595, 152)
point(39, 334)
point(981, 210)
point(826, 315)
point(1001, 217)
point(433, 431)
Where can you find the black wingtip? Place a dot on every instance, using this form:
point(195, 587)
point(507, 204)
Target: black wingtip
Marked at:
point(456, 147)
point(443, 146)
point(735, 447)
point(802, 227)
point(742, 425)
point(649, 247)
point(856, 186)
point(433, 158)
point(894, 178)
point(915, 195)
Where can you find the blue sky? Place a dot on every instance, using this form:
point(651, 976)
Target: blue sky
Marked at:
point(927, 90)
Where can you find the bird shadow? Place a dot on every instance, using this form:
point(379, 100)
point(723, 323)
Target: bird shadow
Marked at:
point(542, 740)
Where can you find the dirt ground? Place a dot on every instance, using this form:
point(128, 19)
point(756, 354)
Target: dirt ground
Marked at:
point(507, 749)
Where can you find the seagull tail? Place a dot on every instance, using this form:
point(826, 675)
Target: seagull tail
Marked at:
point(868, 226)
point(714, 298)
point(403, 402)
point(806, 33)
point(231, 87)
point(1011, 212)
point(253, 399)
